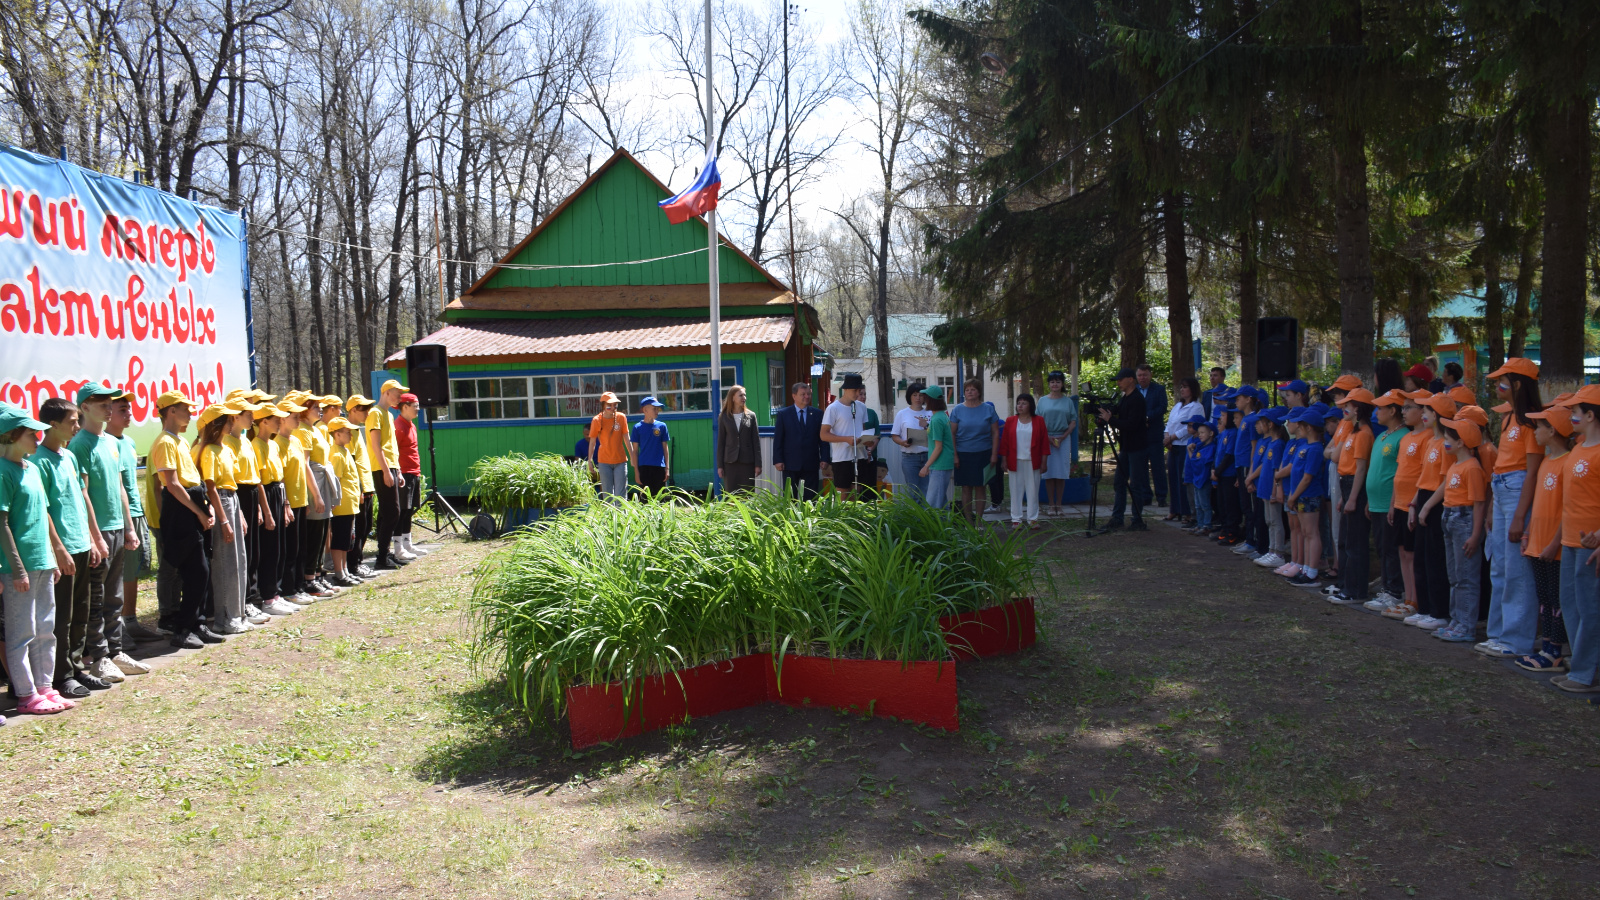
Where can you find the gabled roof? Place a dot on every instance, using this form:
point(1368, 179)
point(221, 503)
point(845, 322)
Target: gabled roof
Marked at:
point(910, 335)
point(601, 337)
point(569, 261)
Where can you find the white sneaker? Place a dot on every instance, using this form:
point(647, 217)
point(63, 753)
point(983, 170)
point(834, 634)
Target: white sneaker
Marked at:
point(1270, 561)
point(401, 554)
point(231, 626)
point(413, 549)
point(1413, 619)
point(1429, 623)
point(1331, 589)
point(277, 606)
point(106, 670)
point(1380, 603)
point(1242, 548)
point(1388, 598)
point(301, 599)
point(256, 616)
point(129, 666)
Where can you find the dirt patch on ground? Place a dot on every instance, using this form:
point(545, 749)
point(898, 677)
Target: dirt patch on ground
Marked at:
point(1188, 726)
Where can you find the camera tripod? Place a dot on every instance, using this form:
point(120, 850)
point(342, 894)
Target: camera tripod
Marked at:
point(1105, 436)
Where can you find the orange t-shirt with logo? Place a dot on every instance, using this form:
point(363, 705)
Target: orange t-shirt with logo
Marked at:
point(1357, 446)
point(612, 437)
point(1434, 463)
point(1544, 516)
point(1408, 468)
point(1465, 484)
point(1516, 442)
point(1580, 494)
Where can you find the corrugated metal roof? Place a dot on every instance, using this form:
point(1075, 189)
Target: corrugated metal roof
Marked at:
point(910, 334)
point(486, 340)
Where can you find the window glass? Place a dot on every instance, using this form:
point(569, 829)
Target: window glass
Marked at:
point(778, 392)
point(574, 396)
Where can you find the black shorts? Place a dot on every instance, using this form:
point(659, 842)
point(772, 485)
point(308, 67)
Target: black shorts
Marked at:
point(969, 467)
point(653, 478)
point(341, 535)
point(844, 476)
point(411, 492)
point(1404, 536)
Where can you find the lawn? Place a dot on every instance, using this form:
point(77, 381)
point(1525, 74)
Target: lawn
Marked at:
point(1185, 728)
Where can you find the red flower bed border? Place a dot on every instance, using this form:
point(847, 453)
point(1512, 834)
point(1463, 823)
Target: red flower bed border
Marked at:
point(922, 692)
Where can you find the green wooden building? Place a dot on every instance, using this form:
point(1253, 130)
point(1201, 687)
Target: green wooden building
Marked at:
point(556, 323)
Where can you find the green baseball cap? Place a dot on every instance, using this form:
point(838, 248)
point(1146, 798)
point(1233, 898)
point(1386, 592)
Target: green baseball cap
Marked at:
point(12, 418)
point(94, 390)
point(933, 392)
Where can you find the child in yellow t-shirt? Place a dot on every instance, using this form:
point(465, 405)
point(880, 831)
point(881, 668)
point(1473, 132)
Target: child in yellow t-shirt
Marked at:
point(220, 475)
point(347, 475)
point(274, 510)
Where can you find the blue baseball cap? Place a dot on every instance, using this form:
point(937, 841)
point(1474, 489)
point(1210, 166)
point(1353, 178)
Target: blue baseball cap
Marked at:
point(1303, 414)
point(1224, 393)
point(1331, 412)
point(1195, 420)
point(1259, 394)
point(1297, 385)
point(1277, 413)
point(651, 401)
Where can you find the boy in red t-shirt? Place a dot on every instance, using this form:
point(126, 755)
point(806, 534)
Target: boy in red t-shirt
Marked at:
point(1466, 503)
point(405, 436)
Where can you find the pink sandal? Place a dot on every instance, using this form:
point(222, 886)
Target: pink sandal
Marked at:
point(55, 696)
point(39, 705)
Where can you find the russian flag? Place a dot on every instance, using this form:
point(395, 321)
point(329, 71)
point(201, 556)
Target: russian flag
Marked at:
point(699, 198)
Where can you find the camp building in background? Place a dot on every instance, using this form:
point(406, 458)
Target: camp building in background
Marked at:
point(531, 349)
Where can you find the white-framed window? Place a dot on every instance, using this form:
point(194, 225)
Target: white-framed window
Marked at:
point(488, 398)
point(948, 382)
point(558, 396)
point(775, 385)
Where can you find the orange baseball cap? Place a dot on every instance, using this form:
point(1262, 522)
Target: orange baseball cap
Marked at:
point(1418, 396)
point(1559, 421)
point(1440, 404)
point(1347, 382)
point(1471, 434)
point(1589, 393)
point(1503, 408)
point(1462, 395)
point(1516, 365)
point(1395, 397)
point(1474, 414)
point(1357, 394)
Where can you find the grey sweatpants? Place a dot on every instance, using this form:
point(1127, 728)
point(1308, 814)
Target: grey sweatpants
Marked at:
point(228, 567)
point(30, 631)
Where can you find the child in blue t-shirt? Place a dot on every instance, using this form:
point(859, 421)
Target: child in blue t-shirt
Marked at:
point(1227, 478)
point(1308, 493)
point(1197, 470)
point(649, 438)
point(1270, 450)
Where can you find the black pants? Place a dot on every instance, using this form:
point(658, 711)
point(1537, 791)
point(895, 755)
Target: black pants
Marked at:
point(1228, 501)
point(388, 511)
point(1247, 510)
point(313, 542)
point(1259, 537)
point(249, 499)
point(290, 581)
point(269, 564)
point(1127, 482)
point(1386, 542)
point(1152, 463)
point(187, 544)
point(411, 499)
point(1175, 460)
point(652, 481)
point(1433, 581)
point(1547, 582)
point(997, 485)
point(358, 543)
point(803, 485)
point(1355, 554)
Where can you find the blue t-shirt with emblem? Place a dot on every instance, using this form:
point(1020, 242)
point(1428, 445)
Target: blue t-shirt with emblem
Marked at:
point(652, 439)
point(1308, 461)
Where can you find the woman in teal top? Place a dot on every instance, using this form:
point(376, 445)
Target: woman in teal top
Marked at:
point(940, 469)
point(30, 554)
point(1060, 414)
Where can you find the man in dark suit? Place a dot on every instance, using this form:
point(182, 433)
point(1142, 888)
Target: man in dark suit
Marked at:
point(797, 447)
point(1129, 417)
point(1155, 404)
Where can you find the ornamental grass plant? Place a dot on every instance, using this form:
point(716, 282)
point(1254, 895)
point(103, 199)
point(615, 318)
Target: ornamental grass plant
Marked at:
point(516, 481)
point(621, 591)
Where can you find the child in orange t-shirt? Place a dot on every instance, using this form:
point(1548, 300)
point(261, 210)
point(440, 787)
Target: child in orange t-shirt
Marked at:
point(1580, 533)
point(1541, 542)
point(1466, 505)
point(1427, 513)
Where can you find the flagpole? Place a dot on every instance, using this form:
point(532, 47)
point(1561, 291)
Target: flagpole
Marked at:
point(712, 278)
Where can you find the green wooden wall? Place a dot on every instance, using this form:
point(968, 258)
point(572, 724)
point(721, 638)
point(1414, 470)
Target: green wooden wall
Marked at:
point(614, 220)
point(462, 444)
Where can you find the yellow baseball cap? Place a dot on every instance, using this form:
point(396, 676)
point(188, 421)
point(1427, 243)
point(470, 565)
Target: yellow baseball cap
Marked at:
point(173, 398)
point(267, 410)
point(392, 384)
point(260, 396)
point(358, 400)
point(338, 423)
point(289, 406)
point(217, 410)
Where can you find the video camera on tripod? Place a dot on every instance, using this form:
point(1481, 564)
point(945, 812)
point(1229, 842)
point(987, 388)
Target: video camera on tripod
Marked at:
point(1105, 435)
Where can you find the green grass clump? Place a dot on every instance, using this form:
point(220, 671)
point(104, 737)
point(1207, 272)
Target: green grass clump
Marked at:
point(617, 592)
point(515, 481)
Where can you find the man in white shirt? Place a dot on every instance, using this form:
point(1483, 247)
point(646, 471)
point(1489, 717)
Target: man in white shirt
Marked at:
point(842, 425)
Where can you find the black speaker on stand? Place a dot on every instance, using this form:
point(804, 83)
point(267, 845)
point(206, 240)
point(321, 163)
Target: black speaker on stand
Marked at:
point(428, 374)
point(1277, 350)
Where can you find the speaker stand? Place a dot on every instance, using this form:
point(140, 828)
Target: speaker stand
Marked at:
point(452, 519)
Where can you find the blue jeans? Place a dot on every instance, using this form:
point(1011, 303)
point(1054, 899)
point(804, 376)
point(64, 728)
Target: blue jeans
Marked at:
point(614, 479)
point(1466, 581)
point(1580, 607)
point(1202, 505)
point(1513, 602)
point(916, 486)
point(939, 482)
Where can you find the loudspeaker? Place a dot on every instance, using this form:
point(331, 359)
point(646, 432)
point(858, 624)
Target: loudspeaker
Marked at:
point(1277, 348)
point(428, 374)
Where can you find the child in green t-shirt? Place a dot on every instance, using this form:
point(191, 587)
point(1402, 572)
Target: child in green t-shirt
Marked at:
point(940, 469)
point(1386, 537)
point(72, 513)
point(30, 555)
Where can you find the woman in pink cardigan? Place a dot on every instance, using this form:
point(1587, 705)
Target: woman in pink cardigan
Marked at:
point(1024, 445)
